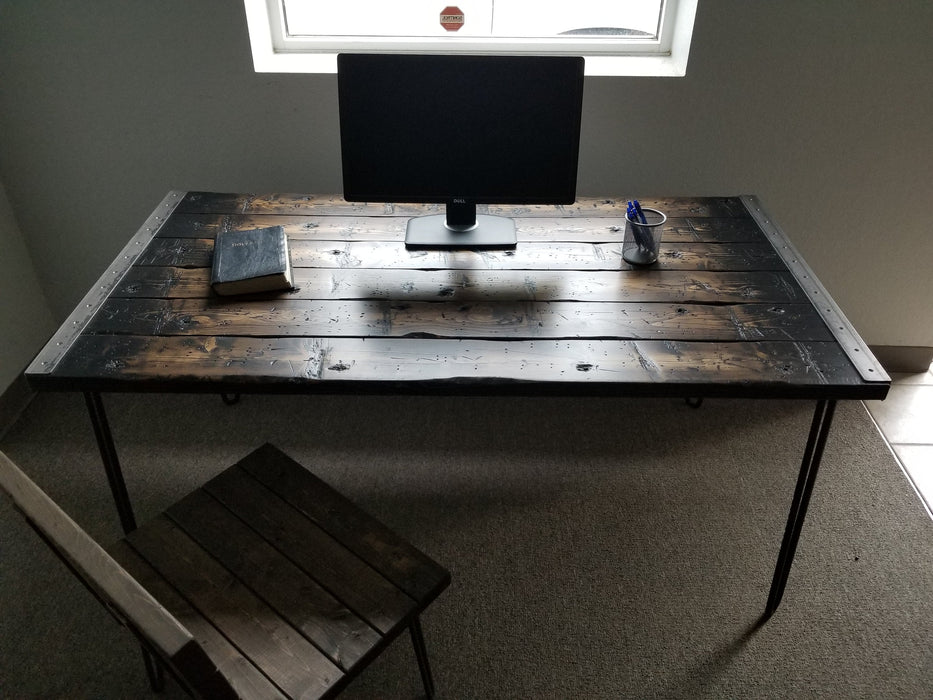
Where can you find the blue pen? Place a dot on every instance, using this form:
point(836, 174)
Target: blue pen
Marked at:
point(634, 214)
point(641, 214)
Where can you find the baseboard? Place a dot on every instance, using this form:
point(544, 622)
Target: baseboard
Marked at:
point(903, 358)
point(13, 402)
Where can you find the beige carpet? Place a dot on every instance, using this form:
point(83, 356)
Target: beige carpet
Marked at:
point(609, 548)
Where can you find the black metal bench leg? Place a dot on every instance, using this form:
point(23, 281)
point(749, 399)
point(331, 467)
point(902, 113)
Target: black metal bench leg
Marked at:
point(421, 653)
point(108, 454)
point(154, 670)
point(816, 442)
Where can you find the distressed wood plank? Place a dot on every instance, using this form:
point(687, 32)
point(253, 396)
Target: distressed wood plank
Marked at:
point(536, 256)
point(387, 228)
point(405, 365)
point(246, 680)
point(360, 588)
point(396, 559)
point(287, 203)
point(291, 591)
point(284, 655)
point(297, 226)
point(506, 320)
point(487, 285)
point(560, 255)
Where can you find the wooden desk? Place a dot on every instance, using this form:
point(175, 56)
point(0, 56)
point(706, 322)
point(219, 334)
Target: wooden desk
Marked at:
point(730, 309)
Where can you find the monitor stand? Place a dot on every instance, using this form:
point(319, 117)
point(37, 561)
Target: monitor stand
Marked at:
point(460, 228)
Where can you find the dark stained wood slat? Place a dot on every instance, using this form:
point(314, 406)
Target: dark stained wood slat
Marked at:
point(610, 229)
point(589, 361)
point(287, 203)
point(385, 228)
point(202, 363)
point(396, 559)
point(507, 320)
point(722, 230)
point(296, 226)
point(363, 590)
point(243, 676)
point(197, 252)
point(165, 283)
point(293, 593)
point(195, 361)
point(487, 285)
point(535, 256)
point(178, 252)
point(290, 661)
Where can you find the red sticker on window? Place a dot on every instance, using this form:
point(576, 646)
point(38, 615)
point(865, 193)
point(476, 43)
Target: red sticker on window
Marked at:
point(451, 18)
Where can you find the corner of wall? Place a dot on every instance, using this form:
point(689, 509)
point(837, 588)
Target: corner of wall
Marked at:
point(26, 321)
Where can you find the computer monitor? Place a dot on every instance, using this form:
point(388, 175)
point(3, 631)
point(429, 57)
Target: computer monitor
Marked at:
point(460, 130)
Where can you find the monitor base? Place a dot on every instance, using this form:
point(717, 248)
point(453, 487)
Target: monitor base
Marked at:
point(432, 232)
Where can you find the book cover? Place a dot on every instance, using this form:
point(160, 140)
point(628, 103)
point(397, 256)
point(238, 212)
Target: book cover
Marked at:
point(251, 261)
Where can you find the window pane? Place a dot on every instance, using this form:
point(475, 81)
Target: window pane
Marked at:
point(382, 18)
point(497, 18)
point(533, 18)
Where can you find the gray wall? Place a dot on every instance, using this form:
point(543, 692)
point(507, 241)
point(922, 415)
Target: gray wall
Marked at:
point(824, 109)
point(25, 319)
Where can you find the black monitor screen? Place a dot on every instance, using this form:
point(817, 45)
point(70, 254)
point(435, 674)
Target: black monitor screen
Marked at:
point(460, 130)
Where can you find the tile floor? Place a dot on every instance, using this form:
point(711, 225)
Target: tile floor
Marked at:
point(905, 418)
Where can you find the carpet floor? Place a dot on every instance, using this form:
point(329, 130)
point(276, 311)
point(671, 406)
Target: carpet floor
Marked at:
point(607, 548)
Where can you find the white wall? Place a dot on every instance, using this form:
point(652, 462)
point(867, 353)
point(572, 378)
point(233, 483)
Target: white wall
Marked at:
point(25, 319)
point(821, 108)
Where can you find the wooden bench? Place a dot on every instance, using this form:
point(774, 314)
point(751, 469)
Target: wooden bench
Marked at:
point(264, 582)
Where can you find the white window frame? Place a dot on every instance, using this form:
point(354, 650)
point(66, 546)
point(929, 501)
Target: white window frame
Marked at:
point(276, 52)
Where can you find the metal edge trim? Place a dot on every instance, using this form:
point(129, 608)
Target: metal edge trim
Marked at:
point(47, 358)
point(848, 338)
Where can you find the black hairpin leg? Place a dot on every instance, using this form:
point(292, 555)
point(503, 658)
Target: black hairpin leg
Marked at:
point(153, 670)
point(421, 653)
point(108, 454)
point(819, 431)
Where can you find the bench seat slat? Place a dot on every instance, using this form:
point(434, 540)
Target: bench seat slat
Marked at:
point(395, 558)
point(293, 593)
point(357, 585)
point(248, 682)
point(281, 652)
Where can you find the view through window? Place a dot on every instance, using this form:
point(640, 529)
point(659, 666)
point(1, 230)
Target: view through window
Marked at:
point(475, 18)
point(617, 37)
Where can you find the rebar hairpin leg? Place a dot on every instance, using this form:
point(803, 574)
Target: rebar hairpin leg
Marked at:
point(421, 653)
point(108, 454)
point(153, 670)
point(819, 431)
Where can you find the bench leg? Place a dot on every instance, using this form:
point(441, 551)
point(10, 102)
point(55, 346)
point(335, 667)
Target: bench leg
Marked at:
point(421, 653)
point(154, 670)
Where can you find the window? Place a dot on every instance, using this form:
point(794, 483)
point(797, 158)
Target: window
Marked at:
point(617, 37)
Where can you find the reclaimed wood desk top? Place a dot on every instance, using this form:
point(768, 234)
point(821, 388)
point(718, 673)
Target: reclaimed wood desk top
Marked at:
point(730, 309)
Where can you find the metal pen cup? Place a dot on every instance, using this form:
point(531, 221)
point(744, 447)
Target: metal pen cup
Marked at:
point(642, 241)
